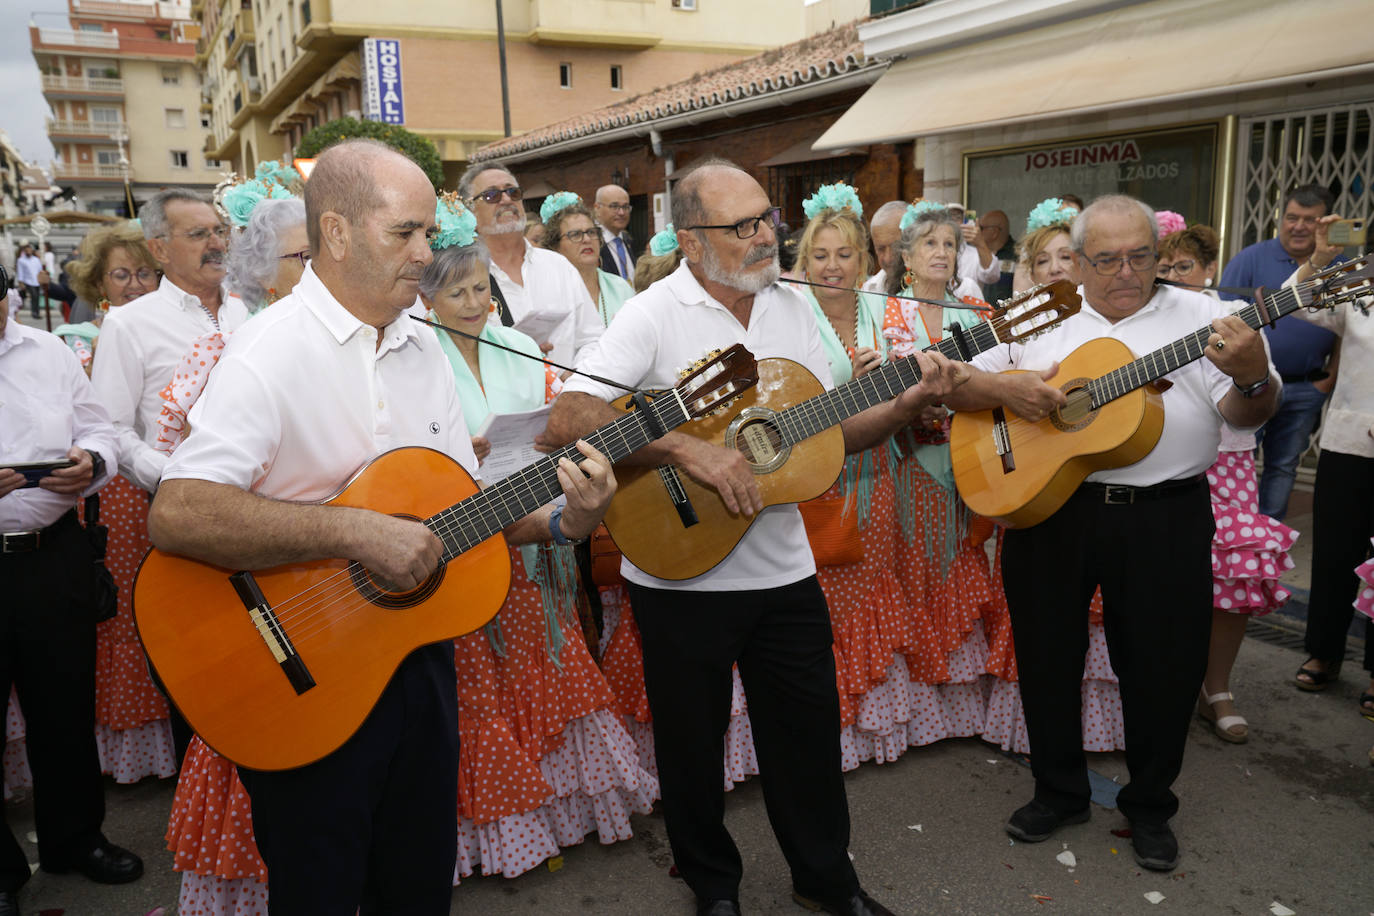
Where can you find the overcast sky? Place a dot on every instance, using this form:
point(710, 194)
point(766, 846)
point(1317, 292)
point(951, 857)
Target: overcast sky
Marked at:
point(24, 107)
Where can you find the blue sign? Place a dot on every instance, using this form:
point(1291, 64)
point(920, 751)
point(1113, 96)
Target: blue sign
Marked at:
point(383, 97)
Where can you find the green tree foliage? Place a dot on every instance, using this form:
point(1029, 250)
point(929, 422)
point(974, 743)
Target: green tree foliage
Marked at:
point(420, 149)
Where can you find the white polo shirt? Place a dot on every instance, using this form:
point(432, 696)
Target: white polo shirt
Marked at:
point(662, 331)
point(140, 346)
point(552, 284)
point(1192, 421)
point(303, 397)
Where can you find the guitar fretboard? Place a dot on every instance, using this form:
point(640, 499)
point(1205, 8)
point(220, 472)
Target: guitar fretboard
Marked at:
point(1161, 362)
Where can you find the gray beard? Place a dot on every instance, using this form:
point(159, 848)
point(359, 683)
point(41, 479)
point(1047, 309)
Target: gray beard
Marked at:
point(744, 281)
point(499, 226)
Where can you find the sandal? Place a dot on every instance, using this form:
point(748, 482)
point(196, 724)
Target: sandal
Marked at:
point(1367, 706)
point(1316, 680)
point(1228, 728)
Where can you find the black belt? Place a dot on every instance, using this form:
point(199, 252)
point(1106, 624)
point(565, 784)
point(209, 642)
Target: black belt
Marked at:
point(1114, 494)
point(29, 541)
point(1316, 375)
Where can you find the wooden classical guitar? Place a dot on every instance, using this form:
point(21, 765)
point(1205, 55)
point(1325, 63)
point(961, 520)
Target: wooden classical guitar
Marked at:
point(276, 668)
point(1020, 472)
point(787, 427)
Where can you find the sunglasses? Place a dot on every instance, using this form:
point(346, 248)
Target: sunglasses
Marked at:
point(493, 195)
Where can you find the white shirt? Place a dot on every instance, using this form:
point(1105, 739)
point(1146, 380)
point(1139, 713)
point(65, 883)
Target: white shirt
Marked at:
point(663, 330)
point(303, 397)
point(1348, 426)
point(972, 269)
point(608, 238)
point(552, 284)
point(50, 263)
point(26, 269)
point(47, 406)
point(1192, 420)
point(140, 346)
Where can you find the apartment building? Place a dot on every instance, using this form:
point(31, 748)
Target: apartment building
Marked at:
point(274, 69)
point(125, 96)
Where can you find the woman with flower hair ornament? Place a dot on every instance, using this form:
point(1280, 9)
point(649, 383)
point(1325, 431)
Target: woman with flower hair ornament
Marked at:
point(570, 230)
point(544, 758)
point(1045, 254)
point(659, 260)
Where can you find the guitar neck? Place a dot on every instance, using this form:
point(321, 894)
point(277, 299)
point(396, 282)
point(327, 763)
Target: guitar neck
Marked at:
point(1156, 365)
point(470, 522)
point(817, 414)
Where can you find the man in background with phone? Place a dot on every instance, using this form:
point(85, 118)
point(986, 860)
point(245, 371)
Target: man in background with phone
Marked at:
point(59, 435)
point(1302, 352)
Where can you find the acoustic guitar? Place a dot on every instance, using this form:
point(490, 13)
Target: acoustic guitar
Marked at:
point(276, 668)
point(787, 428)
point(1020, 472)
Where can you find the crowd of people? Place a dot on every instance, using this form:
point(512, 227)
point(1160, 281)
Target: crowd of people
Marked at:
point(246, 355)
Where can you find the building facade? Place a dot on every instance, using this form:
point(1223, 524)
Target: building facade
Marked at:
point(125, 97)
point(275, 69)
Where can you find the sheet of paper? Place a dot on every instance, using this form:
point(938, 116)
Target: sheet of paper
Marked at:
point(512, 442)
point(540, 325)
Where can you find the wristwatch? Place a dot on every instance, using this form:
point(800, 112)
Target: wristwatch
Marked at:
point(97, 464)
point(1254, 389)
point(559, 537)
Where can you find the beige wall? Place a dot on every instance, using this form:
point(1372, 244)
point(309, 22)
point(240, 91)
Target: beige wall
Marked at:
point(146, 102)
point(826, 14)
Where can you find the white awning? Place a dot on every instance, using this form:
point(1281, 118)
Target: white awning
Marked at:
point(1168, 49)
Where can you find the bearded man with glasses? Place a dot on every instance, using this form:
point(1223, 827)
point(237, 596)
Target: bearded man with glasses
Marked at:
point(1143, 531)
point(537, 291)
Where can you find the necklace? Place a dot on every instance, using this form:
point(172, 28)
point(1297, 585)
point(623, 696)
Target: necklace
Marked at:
point(854, 338)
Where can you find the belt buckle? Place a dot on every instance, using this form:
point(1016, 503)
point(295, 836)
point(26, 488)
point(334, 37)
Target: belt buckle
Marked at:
point(1117, 495)
point(19, 541)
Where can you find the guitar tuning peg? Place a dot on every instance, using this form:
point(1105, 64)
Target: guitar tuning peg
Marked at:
point(683, 373)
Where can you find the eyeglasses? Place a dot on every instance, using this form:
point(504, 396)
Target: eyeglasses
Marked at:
point(122, 275)
point(493, 195)
point(581, 235)
point(303, 256)
point(202, 235)
point(1178, 267)
point(748, 228)
point(619, 208)
point(1139, 261)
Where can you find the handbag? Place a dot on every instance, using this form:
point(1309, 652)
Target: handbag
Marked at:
point(605, 559)
point(833, 533)
point(106, 598)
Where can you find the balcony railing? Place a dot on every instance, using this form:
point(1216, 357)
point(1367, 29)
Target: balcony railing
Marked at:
point(62, 83)
point(69, 170)
point(73, 38)
point(58, 127)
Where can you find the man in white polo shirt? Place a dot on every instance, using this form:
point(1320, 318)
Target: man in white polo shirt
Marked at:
point(761, 606)
point(543, 293)
point(330, 377)
point(1143, 532)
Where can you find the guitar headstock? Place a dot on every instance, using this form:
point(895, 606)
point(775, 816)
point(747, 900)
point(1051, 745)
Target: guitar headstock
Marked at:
point(717, 380)
point(1348, 281)
point(1037, 309)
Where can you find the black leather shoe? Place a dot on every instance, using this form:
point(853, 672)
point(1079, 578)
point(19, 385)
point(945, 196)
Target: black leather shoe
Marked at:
point(860, 904)
point(1037, 821)
point(104, 864)
point(717, 908)
point(9, 903)
point(1155, 845)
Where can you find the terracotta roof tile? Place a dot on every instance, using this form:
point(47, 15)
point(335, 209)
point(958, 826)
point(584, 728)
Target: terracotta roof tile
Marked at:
point(832, 53)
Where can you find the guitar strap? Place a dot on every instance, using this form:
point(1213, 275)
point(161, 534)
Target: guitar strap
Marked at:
point(501, 308)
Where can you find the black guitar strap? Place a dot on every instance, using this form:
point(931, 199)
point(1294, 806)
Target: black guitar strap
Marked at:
point(502, 309)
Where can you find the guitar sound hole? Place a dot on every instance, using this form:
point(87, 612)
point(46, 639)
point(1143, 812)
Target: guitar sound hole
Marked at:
point(760, 442)
point(1079, 411)
point(384, 594)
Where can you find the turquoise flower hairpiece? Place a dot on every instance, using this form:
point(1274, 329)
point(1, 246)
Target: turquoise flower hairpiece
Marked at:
point(559, 200)
point(455, 222)
point(273, 171)
point(832, 197)
point(664, 242)
point(238, 201)
point(1050, 212)
point(917, 210)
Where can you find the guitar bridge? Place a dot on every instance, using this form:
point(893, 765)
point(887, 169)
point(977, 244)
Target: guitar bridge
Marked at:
point(1001, 439)
point(672, 482)
point(265, 621)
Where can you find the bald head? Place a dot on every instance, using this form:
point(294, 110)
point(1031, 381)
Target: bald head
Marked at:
point(612, 207)
point(689, 208)
point(344, 181)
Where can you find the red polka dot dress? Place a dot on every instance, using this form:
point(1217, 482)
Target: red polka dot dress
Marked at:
point(1249, 549)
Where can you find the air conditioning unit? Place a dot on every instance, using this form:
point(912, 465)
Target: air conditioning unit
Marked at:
point(685, 4)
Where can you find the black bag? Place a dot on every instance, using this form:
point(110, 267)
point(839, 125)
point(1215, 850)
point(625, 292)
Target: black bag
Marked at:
point(106, 595)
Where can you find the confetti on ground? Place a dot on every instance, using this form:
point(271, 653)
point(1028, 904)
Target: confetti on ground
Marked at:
point(1113, 850)
point(555, 863)
point(916, 827)
point(993, 762)
point(1067, 858)
point(1154, 896)
point(1012, 867)
point(1123, 832)
point(1278, 909)
point(1041, 898)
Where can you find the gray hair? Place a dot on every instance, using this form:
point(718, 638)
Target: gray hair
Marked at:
point(687, 209)
point(152, 216)
point(892, 210)
point(918, 229)
point(1110, 203)
point(451, 263)
point(469, 175)
point(253, 258)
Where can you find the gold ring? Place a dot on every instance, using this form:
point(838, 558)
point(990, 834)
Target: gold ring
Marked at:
point(1220, 345)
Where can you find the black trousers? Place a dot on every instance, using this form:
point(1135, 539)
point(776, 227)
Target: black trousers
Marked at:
point(47, 653)
point(1342, 523)
point(1152, 559)
point(782, 642)
point(373, 827)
